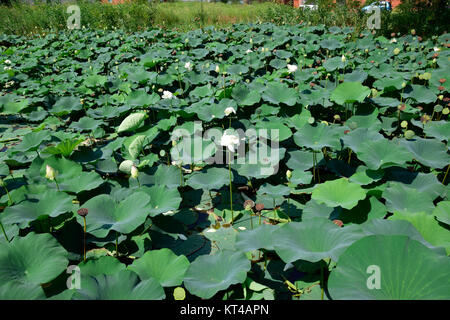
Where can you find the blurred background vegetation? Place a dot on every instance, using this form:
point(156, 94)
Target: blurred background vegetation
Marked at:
point(19, 17)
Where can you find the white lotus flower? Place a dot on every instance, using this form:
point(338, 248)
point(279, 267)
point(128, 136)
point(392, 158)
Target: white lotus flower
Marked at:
point(217, 69)
point(188, 66)
point(50, 173)
point(229, 141)
point(7, 68)
point(229, 111)
point(248, 51)
point(167, 95)
point(7, 61)
point(292, 68)
point(436, 49)
point(134, 172)
point(393, 40)
point(343, 58)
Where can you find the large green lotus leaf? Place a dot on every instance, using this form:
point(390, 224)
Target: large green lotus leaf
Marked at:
point(358, 137)
point(162, 265)
point(132, 122)
point(401, 198)
point(407, 269)
point(317, 137)
point(162, 199)
point(258, 238)
point(389, 84)
point(396, 227)
point(277, 93)
point(313, 239)
point(124, 285)
point(209, 274)
point(15, 290)
point(283, 132)
point(274, 191)
point(104, 265)
point(429, 152)
point(245, 96)
point(260, 164)
point(420, 93)
point(105, 214)
point(139, 98)
point(223, 238)
point(339, 192)
point(70, 175)
point(349, 92)
point(31, 141)
point(302, 160)
point(428, 227)
point(211, 179)
point(437, 129)
point(94, 81)
point(423, 182)
point(50, 203)
point(382, 153)
point(66, 105)
point(32, 260)
point(442, 212)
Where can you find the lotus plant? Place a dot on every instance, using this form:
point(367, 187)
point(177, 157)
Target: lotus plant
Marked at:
point(50, 174)
point(230, 141)
point(83, 212)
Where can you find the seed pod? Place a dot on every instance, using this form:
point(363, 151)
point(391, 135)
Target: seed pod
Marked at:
point(249, 204)
point(259, 207)
point(83, 212)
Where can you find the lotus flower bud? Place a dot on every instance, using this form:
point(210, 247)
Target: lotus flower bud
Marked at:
point(403, 84)
point(217, 69)
point(289, 174)
point(259, 206)
point(134, 172)
point(83, 212)
point(50, 173)
point(337, 117)
point(249, 204)
point(343, 58)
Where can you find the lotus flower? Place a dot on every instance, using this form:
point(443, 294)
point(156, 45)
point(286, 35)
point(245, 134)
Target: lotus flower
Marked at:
point(134, 172)
point(188, 66)
point(83, 212)
point(50, 173)
point(292, 68)
point(343, 59)
point(248, 51)
point(288, 174)
point(7, 61)
point(217, 69)
point(436, 49)
point(229, 111)
point(167, 95)
point(229, 141)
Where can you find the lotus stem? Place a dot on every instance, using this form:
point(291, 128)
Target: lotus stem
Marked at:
point(274, 210)
point(181, 177)
point(117, 244)
point(57, 186)
point(139, 184)
point(84, 246)
point(321, 282)
point(9, 196)
point(231, 187)
point(4, 232)
point(445, 176)
point(349, 155)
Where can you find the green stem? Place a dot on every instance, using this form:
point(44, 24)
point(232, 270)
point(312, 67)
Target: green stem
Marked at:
point(139, 184)
point(448, 167)
point(57, 186)
point(9, 196)
point(231, 187)
point(321, 282)
point(117, 244)
point(84, 218)
point(4, 232)
point(181, 177)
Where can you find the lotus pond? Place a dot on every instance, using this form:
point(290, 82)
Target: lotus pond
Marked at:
point(350, 199)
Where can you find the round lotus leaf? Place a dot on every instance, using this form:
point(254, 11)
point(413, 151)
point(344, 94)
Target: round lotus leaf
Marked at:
point(209, 274)
point(404, 270)
point(33, 259)
point(313, 239)
point(349, 92)
point(162, 265)
point(339, 192)
point(211, 179)
point(124, 285)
